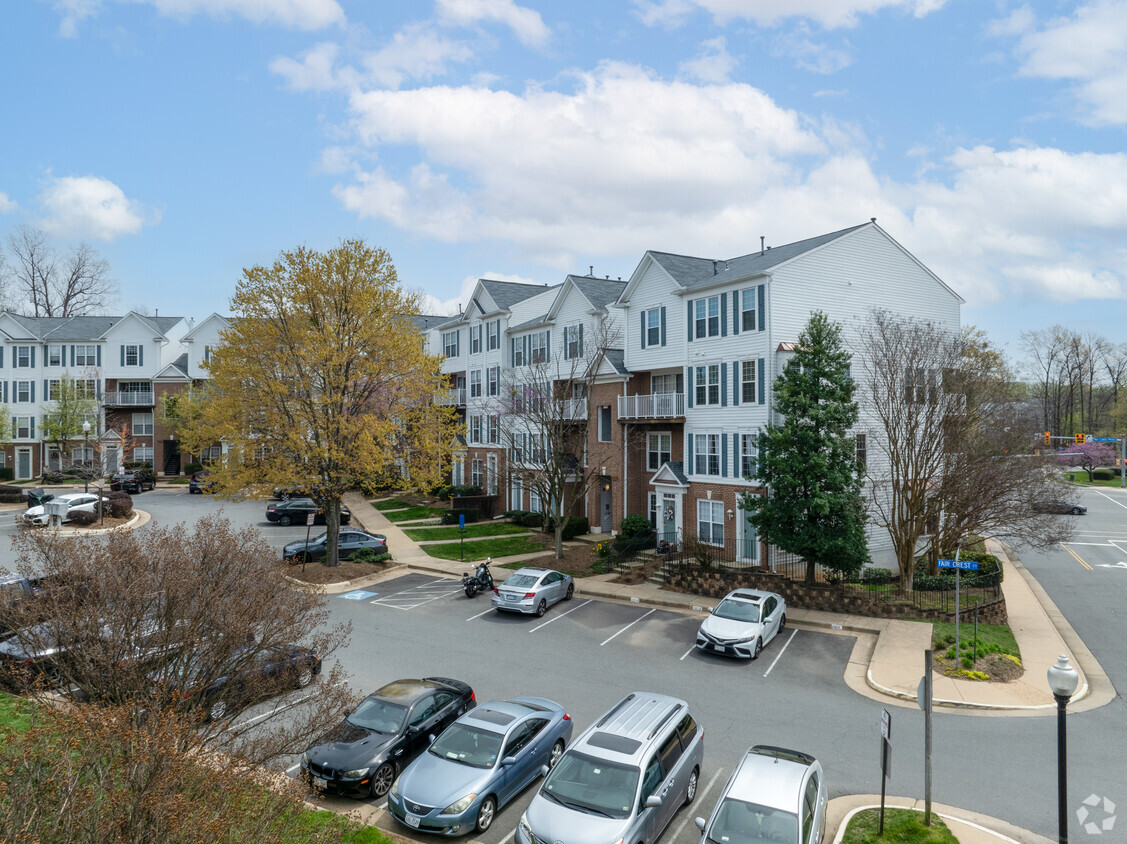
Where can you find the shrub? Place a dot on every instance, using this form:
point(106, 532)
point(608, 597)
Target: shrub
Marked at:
point(1103, 474)
point(465, 489)
point(441, 492)
point(7, 473)
point(119, 505)
point(450, 517)
point(12, 498)
point(933, 582)
point(526, 518)
point(192, 468)
point(632, 525)
point(9, 490)
point(82, 517)
point(370, 555)
point(876, 576)
point(574, 526)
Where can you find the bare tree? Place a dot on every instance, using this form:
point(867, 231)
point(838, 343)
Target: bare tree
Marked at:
point(47, 285)
point(544, 418)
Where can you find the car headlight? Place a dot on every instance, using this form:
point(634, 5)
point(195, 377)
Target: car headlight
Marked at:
point(305, 759)
point(395, 789)
point(745, 641)
point(460, 806)
point(524, 826)
point(355, 774)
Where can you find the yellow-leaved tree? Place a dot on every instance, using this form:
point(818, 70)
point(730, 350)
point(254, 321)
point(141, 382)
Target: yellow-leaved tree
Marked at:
point(323, 381)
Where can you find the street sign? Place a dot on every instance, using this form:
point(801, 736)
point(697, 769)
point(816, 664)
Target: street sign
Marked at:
point(1103, 439)
point(462, 520)
point(309, 518)
point(885, 724)
point(963, 565)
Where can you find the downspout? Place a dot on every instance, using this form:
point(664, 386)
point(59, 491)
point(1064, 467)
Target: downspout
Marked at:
point(625, 462)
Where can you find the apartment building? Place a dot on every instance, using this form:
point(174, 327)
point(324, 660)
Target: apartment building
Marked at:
point(126, 363)
point(677, 409)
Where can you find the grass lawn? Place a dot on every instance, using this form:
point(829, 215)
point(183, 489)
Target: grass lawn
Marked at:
point(472, 531)
point(391, 504)
point(992, 638)
point(902, 826)
point(351, 832)
point(412, 513)
point(13, 712)
point(482, 548)
point(1080, 476)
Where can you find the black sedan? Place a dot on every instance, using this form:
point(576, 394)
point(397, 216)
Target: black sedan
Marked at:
point(1065, 507)
point(250, 676)
point(294, 511)
point(349, 543)
point(389, 728)
point(133, 481)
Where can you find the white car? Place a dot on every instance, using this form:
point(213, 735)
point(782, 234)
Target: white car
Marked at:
point(87, 501)
point(743, 623)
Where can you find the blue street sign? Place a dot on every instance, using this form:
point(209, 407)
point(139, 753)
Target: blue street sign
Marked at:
point(1103, 439)
point(462, 520)
point(964, 565)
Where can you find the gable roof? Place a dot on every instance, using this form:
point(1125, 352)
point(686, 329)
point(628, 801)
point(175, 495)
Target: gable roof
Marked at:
point(425, 322)
point(671, 473)
point(77, 328)
point(600, 292)
point(507, 293)
point(175, 371)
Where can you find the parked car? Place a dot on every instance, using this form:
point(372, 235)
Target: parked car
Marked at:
point(133, 481)
point(1058, 506)
point(532, 590)
point(200, 482)
point(389, 728)
point(774, 794)
point(348, 543)
point(295, 510)
point(482, 761)
point(85, 501)
point(624, 778)
point(742, 623)
point(251, 677)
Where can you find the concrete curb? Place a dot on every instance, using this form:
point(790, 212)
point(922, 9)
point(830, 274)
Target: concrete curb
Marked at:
point(140, 517)
point(968, 827)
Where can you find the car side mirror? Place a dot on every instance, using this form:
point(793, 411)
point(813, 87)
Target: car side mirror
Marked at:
point(544, 770)
point(508, 760)
point(712, 609)
point(412, 730)
point(653, 801)
point(700, 822)
point(430, 738)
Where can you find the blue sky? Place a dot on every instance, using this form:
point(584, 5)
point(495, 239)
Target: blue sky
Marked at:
point(187, 139)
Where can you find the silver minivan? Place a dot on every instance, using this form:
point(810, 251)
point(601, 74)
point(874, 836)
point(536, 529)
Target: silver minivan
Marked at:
point(623, 780)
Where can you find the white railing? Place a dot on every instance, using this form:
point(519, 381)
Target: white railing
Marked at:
point(454, 396)
point(574, 409)
point(115, 397)
point(653, 406)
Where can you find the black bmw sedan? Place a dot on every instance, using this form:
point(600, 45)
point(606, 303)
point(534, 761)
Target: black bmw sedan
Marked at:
point(389, 728)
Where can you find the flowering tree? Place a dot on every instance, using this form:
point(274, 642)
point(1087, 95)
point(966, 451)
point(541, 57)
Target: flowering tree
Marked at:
point(1088, 456)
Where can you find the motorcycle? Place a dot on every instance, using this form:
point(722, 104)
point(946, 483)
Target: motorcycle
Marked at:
point(481, 581)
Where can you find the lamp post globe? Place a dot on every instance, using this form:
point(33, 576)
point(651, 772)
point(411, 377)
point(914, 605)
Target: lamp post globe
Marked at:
point(86, 451)
point(1063, 679)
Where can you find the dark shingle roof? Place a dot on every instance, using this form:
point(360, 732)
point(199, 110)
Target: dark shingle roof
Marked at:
point(599, 291)
point(617, 359)
point(692, 272)
point(61, 329)
point(181, 363)
point(508, 293)
point(678, 470)
point(423, 322)
point(532, 323)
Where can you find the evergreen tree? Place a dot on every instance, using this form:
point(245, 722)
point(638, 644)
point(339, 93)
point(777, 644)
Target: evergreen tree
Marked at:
point(809, 463)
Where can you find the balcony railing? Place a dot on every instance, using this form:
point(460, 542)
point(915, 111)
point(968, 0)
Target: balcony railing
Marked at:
point(454, 396)
point(123, 399)
point(653, 406)
point(575, 409)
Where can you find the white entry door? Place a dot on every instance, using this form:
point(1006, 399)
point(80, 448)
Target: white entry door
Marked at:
point(23, 464)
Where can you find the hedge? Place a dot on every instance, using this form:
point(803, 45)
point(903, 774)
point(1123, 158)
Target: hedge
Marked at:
point(450, 517)
point(7, 473)
point(525, 518)
point(82, 517)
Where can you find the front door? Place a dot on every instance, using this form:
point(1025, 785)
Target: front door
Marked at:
point(23, 464)
point(606, 519)
point(669, 518)
point(113, 459)
point(748, 541)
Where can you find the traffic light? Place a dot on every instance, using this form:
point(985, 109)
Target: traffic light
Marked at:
point(1048, 438)
point(1080, 439)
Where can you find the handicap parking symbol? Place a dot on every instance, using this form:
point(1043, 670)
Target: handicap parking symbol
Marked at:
point(359, 595)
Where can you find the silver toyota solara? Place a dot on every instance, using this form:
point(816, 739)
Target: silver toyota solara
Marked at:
point(532, 590)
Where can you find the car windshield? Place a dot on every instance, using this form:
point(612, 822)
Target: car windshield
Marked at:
point(468, 745)
point(521, 581)
point(739, 822)
point(379, 715)
point(594, 786)
point(737, 610)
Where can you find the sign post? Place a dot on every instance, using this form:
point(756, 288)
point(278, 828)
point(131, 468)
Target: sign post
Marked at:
point(923, 698)
point(885, 758)
point(308, 524)
point(462, 533)
point(958, 565)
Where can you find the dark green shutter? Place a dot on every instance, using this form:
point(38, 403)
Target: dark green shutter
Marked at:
point(99, 356)
point(723, 314)
point(580, 339)
point(662, 331)
point(140, 355)
point(737, 468)
point(32, 431)
point(71, 357)
point(46, 392)
point(690, 320)
point(123, 355)
point(33, 357)
point(690, 463)
point(723, 385)
point(762, 308)
point(736, 385)
point(735, 312)
point(689, 392)
point(643, 329)
point(762, 382)
point(31, 387)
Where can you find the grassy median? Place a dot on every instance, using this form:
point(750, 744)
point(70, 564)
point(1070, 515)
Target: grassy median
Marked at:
point(482, 548)
point(902, 826)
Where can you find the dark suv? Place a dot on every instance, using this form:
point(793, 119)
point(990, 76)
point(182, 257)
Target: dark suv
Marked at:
point(133, 481)
point(294, 511)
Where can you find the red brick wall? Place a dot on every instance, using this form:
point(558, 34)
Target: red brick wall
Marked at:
point(605, 458)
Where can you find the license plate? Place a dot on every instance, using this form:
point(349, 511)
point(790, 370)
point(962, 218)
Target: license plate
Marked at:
point(413, 820)
point(510, 597)
point(320, 783)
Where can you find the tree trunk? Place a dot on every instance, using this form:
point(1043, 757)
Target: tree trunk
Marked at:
point(332, 527)
point(559, 540)
point(810, 572)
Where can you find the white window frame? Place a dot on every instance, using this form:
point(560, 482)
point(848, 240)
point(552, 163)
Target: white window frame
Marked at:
point(475, 339)
point(475, 428)
point(748, 396)
point(663, 385)
point(707, 388)
point(749, 455)
point(22, 393)
point(23, 427)
point(494, 380)
point(573, 348)
point(475, 383)
point(538, 348)
point(862, 450)
point(518, 352)
point(132, 354)
point(748, 315)
point(477, 472)
point(493, 335)
point(710, 512)
point(654, 460)
point(85, 355)
point(535, 505)
point(450, 342)
point(491, 474)
point(493, 429)
point(605, 432)
point(707, 317)
point(653, 327)
point(706, 454)
point(144, 428)
point(56, 355)
point(52, 389)
point(143, 454)
point(516, 494)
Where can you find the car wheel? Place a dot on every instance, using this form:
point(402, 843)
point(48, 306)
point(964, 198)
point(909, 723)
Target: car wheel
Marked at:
point(1076, 511)
point(470, 590)
point(570, 591)
point(783, 623)
point(382, 780)
point(304, 676)
point(557, 752)
point(285, 521)
point(217, 710)
point(758, 648)
point(691, 788)
point(485, 814)
point(541, 608)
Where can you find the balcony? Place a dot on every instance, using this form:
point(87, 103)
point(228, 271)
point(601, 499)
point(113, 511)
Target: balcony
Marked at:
point(455, 396)
point(574, 410)
point(653, 406)
point(117, 398)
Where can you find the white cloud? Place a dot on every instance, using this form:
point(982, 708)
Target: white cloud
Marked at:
point(433, 305)
point(827, 13)
point(798, 46)
point(1018, 22)
point(74, 12)
point(526, 24)
point(1088, 49)
point(7, 205)
point(292, 14)
point(713, 63)
point(90, 206)
point(314, 71)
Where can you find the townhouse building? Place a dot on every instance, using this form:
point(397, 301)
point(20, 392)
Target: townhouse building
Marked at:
point(682, 396)
point(126, 363)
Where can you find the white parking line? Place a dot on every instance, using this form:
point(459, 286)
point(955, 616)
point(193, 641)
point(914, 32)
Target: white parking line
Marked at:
point(1109, 498)
point(293, 768)
point(479, 615)
point(791, 639)
point(558, 617)
point(685, 820)
point(508, 837)
point(689, 651)
point(277, 709)
point(627, 627)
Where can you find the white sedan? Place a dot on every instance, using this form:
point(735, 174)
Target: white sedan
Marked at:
point(86, 501)
point(741, 624)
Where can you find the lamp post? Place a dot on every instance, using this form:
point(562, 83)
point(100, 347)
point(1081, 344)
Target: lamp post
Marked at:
point(85, 452)
point(1062, 680)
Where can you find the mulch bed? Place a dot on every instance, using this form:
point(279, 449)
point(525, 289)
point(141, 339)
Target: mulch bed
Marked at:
point(320, 573)
point(997, 668)
point(105, 524)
